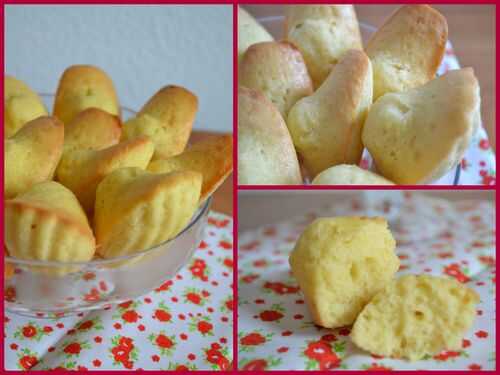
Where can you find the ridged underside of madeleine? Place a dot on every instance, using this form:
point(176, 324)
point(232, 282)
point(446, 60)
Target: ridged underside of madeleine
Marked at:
point(151, 222)
point(37, 234)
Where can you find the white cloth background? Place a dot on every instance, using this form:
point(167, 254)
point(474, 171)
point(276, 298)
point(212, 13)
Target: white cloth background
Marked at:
point(141, 47)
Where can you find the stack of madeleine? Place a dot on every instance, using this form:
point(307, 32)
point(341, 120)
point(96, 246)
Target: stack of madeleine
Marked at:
point(80, 183)
point(309, 105)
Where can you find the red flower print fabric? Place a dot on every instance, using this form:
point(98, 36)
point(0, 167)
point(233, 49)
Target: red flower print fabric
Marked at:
point(275, 328)
point(184, 324)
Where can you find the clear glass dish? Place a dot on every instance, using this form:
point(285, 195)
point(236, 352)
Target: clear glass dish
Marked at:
point(275, 25)
point(48, 289)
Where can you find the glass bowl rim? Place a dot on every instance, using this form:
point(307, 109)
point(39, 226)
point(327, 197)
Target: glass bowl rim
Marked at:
point(52, 263)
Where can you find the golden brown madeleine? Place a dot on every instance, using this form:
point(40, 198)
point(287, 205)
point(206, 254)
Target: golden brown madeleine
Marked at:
point(92, 129)
point(137, 209)
point(32, 154)
point(21, 104)
point(265, 150)
point(82, 87)
point(417, 136)
point(349, 175)
point(48, 223)
point(416, 316)
point(167, 118)
point(212, 157)
point(249, 32)
point(407, 50)
point(82, 170)
point(326, 126)
point(322, 33)
point(277, 69)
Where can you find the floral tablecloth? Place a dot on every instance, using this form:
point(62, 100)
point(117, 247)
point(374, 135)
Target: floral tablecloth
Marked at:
point(186, 323)
point(478, 166)
point(275, 328)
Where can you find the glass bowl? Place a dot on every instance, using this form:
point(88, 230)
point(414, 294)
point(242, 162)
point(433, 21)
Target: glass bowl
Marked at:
point(47, 289)
point(275, 25)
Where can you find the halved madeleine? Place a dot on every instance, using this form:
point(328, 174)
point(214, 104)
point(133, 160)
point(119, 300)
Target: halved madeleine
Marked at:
point(212, 157)
point(416, 316)
point(137, 209)
point(32, 154)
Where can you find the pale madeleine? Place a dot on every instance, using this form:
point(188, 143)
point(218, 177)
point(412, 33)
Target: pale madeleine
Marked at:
point(276, 69)
point(417, 136)
point(322, 33)
point(326, 126)
point(265, 150)
point(349, 175)
point(249, 32)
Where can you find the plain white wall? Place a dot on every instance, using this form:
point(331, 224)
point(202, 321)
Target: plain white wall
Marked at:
point(258, 208)
point(141, 47)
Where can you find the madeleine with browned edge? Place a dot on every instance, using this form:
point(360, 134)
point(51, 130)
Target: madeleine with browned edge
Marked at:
point(82, 87)
point(212, 157)
point(137, 209)
point(407, 49)
point(47, 223)
point(82, 170)
point(21, 105)
point(92, 129)
point(32, 154)
point(167, 119)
